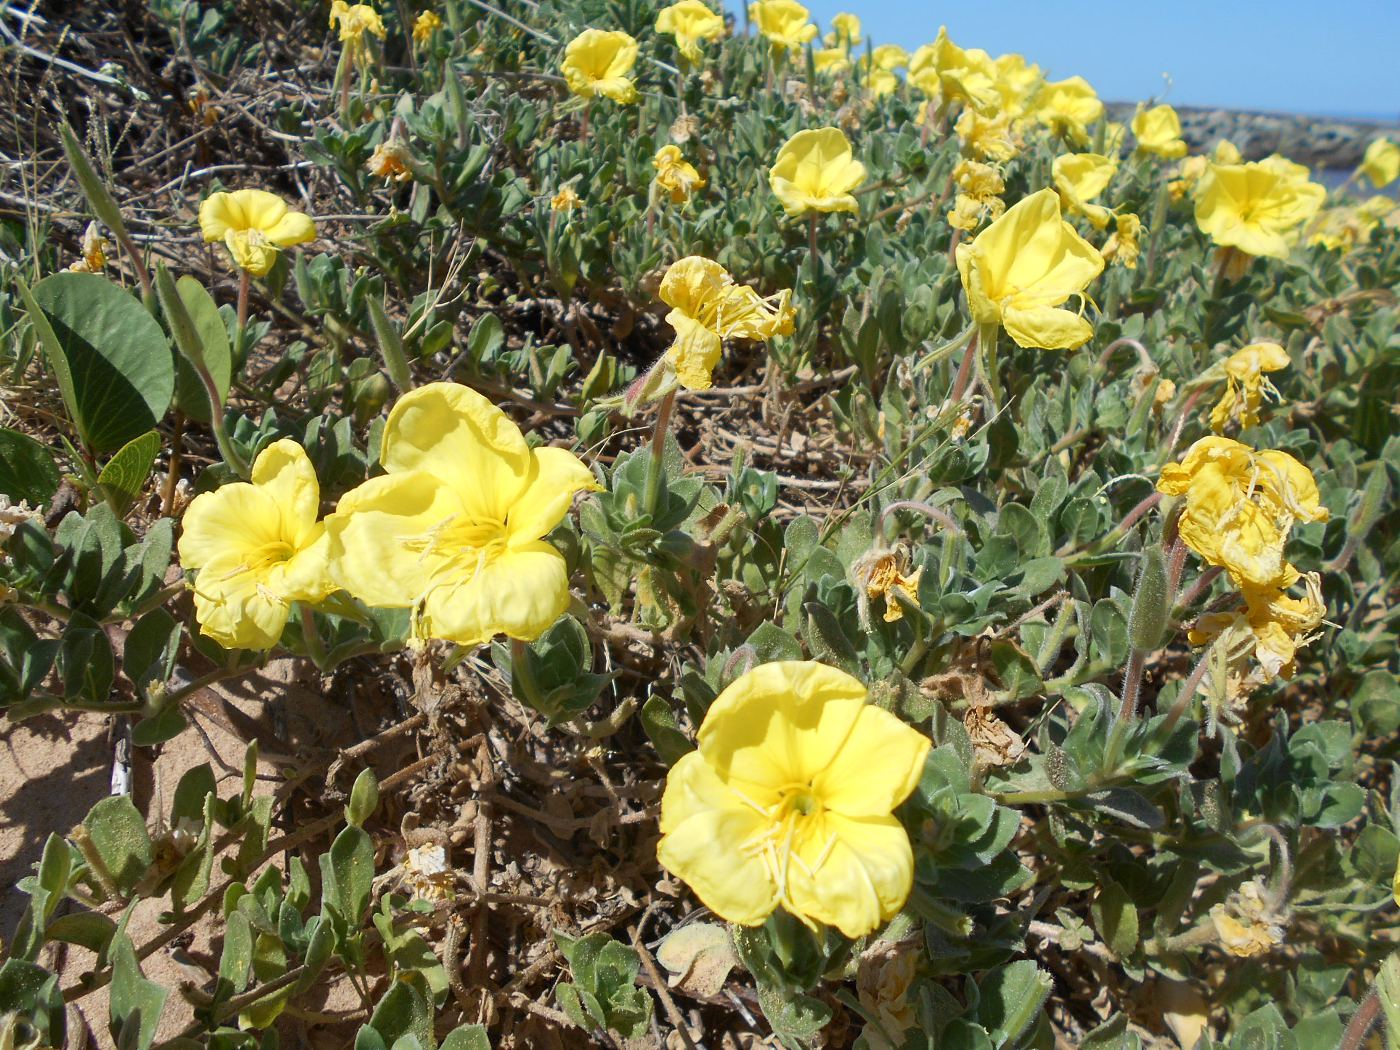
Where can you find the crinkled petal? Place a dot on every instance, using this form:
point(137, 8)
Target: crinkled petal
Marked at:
point(519, 593)
point(861, 872)
point(694, 353)
point(236, 607)
point(235, 518)
point(1046, 327)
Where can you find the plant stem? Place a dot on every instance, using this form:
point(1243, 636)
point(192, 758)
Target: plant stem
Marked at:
point(312, 637)
point(245, 280)
point(657, 469)
point(1361, 1021)
point(1183, 698)
point(814, 254)
point(964, 375)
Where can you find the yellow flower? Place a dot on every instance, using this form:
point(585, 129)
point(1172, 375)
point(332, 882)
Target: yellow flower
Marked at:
point(845, 30)
point(599, 62)
point(257, 548)
point(878, 68)
point(1246, 385)
point(831, 60)
point(389, 162)
point(707, 307)
point(1067, 107)
point(1188, 175)
point(784, 22)
point(1273, 628)
point(955, 74)
point(1022, 267)
point(1342, 229)
point(94, 247)
point(789, 798)
point(675, 175)
point(424, 26)
point(1123, 247)
point(816, 172)
point(255, 225)
point(1079, 178)
point(986, 137)
point(979, 194)
point(565, 200)
point(1226, 152)
point(889, 57)
point(1381, 164)
point(355, 21)
point(883, 576)
point(1257, 207)
point(455, 529)
point(1114, 135)
point(1245, 925)
point(1016, 83)
point(1158, 130)
point(690, 22)
point(1240, 506)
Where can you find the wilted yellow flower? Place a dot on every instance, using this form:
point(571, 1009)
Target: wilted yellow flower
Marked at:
point(1067, 107)
point(884, 975)
point(785, 23)
point(1166, 390)
point(707, 307)
point(355, 20)
point(980, 187)
point(1240, 506)
point(389, 161)
point(1158, 130)
point(427, 873)
point(955, 74)
point(257, 548)
point(675, 175)
point(986, 137)
point(690, 22)
point(565, 200)
point(884, 575)
point(1124, 246)
point(455, 529)
point(255, 225)
point(1016, 83)
point(1079, 178)
point(1257, 207)
point(599, 62)
point(1020, 269)
point(94, 247)
point(1246, 384)
point(816, 172)
point(1381, 163)
point(1245, 924)
point(425, 25)
point(788, 801)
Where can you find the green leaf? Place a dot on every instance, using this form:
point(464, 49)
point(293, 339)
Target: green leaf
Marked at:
point(136, 1002)
point(664, 731)
point(347, 872)
point(92, 930)
point(1116, 918)
point(119, 372)
point(1010, 998)
point(364, 797)
point(212, 335)
point(119, 836)
point(27, 469)
point(125, 473)
point(404, 1010)
point(467, 1037)
point(796, 1018)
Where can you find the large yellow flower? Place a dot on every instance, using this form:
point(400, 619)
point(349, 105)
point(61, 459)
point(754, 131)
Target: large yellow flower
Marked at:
point(785, 23)
point(707, 307)
point(257, 548)
point(845, 30)
point(955, 74)
point(255, 225)
point(1256, 207)
point(816, 172)
point(1067, 107)
point(1017, 83)
point(1020, 269)
point(1240, 506)
point(789, 801)
point(1079, 178)
point(1381, 164)
point(455, 530)
point(1246, 384)
point(690, 22)
point(599, 62)
point(1158, 130)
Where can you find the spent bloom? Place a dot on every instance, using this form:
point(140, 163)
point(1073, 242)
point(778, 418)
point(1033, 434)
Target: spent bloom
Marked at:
point(390, 161)
point(1273, 627)
point(984, 137)
point(257, 548)
point(707, 307)
point(675, 176)
point(1067, 107)
point(455, 529)
point(788, 801)
point(1345, 228)
point(255, 225)
point(785, 23)
point(425, 25)
point(599, 62)
point(1381, 163)
point(567, 199)
point(1158, 131)
point(885, 574)
point(1246, 384)
point(1247, 924)
point(1079, 178)
point(690, 22)
point(1020, 269)
point(1240, 507)
point(428, 873)
point(1124, 245)
point(94, 248)
point(1257, 207)
point(815, 171)
point(980, 187)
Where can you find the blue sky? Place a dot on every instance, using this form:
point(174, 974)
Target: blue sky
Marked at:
point(1291, 55)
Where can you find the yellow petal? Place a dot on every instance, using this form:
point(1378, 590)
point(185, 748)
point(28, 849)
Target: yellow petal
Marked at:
point(519, 593)
point(465, 441)
point(706, 828)
point(877, 767)
point(1046, 327)
point(814, 171)
point(862, 871)
point(557, 477)
point(695, 351)
point(235, 607)
point(781, 723)
point(293, 228)
point(237, 517)
point(284, 472)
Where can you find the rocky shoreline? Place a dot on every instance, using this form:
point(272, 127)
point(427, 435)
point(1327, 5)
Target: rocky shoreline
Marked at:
point(1319, 142)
